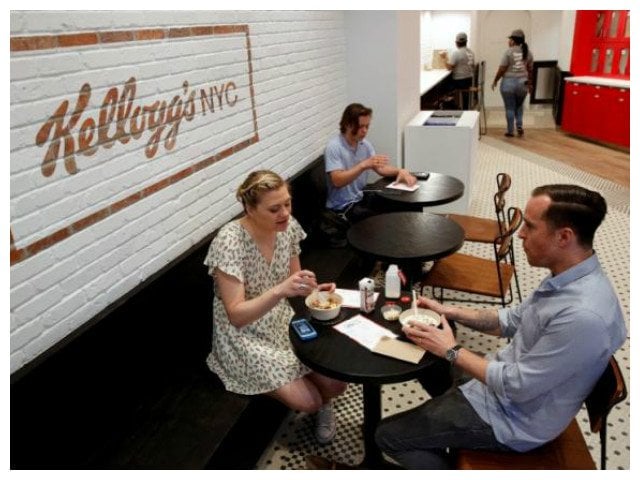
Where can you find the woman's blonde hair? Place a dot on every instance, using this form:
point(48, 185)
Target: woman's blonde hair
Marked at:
point(257, 183)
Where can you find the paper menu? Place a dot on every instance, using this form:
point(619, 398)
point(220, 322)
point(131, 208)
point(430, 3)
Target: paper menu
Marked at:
point(351, 298)
point(379, 339)
point(364, 331)
point(403, 186)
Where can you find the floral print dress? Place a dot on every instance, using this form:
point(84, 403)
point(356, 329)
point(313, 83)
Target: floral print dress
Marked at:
point(256, 358)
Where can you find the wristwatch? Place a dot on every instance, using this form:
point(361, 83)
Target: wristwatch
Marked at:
point(452, 353)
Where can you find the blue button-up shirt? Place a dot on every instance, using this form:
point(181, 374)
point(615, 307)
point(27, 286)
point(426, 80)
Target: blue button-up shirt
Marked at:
point(562, 338)
point(339, 155)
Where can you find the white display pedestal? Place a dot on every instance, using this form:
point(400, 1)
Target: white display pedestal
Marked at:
point(448, 149)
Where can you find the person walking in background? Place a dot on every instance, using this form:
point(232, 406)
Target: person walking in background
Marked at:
point(461, 63)
point(515, 70)
point(256, 267)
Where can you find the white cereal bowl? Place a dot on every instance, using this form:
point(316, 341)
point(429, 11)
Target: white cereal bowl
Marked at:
point(429, 317)
point(324, 313)
point(391, 312)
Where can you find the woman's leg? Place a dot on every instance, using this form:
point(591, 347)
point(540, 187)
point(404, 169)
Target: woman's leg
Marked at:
point(300, 394)
point(325, 418)
point(312, 394)
point(521, 96)
point(309, 393)
point(509, 99)
point(328, 387)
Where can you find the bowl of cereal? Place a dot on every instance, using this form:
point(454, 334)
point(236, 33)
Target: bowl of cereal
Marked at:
point(420, 315)
point(391, 312)
point(323, 305)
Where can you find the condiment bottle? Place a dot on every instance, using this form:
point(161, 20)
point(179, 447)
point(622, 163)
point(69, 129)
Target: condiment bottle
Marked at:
point(392, 282)
point(367, 302)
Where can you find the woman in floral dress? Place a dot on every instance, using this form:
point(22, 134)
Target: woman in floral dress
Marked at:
point(256, 266)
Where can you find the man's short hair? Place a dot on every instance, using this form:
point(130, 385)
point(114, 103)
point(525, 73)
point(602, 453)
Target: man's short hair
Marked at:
point(351, 116)
point(572, 206)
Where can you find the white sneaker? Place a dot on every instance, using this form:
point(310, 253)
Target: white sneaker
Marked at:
point(325, 424)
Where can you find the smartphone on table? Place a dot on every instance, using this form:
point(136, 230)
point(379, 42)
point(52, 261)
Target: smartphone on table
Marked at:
point(304, 329)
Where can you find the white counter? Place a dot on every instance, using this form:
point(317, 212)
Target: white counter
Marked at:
point(430, 78)
point(605, 81)
point(444, 149)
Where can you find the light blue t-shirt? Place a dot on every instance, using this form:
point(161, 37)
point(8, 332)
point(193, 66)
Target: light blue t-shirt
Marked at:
point(339, 155)
point(562, 338)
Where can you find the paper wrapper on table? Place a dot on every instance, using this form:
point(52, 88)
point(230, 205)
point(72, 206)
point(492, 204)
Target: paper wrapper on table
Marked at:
point(392, 347)
point(437, 62)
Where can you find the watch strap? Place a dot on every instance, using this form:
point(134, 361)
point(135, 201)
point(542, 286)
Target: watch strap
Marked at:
point(452, 353)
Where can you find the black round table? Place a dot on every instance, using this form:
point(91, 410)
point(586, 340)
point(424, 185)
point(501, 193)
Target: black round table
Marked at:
point(337, 356)
point(438, 189)
point(406, 238)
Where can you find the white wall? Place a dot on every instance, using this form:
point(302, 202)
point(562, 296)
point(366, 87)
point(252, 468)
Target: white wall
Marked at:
point(383, 72)
point(565, 48)
point(439, 29)
point(407, 63)
point(298, 62)
point(546, 30)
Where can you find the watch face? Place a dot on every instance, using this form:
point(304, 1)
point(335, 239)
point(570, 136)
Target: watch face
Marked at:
point(452, 353)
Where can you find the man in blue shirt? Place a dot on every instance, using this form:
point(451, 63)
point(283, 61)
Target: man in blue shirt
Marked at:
point(348, 159)
point(562, 337)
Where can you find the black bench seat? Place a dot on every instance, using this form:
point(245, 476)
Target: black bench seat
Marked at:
point(131, 389)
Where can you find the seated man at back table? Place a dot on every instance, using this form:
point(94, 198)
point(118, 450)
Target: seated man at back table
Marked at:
point(348, 159)
point(562, 337)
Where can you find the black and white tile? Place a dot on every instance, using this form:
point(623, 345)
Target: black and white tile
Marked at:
point(295, 438)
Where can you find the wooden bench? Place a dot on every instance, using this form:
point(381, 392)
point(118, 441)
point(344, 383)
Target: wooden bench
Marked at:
point(569, 451)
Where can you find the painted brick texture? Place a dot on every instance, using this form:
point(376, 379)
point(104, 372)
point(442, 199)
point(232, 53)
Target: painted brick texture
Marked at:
point(129, 134)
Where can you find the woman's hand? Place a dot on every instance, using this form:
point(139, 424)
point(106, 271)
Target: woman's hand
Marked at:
point(301, 283)
point(327, 287)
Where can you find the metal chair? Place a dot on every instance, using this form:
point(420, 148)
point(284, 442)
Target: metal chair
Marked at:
point(485, 230)
point(472, 274)
point(569, 450)
point(475, 95)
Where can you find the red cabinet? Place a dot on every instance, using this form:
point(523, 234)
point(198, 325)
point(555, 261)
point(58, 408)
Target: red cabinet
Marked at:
point(595, 106)
point(601, 43)
point(598, 112)
point(575, 111)
point(617, 116)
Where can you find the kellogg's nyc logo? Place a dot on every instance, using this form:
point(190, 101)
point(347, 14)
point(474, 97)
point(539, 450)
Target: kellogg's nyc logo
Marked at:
point(122, 118)
point(78, 158)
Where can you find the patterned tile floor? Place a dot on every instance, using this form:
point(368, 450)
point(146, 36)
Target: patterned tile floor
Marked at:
point(295, 440)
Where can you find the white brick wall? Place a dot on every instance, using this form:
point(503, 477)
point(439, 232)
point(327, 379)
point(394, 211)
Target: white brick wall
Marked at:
point(299, 83)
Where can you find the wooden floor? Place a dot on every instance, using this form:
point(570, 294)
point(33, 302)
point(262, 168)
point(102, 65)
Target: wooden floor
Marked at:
point(605, 162)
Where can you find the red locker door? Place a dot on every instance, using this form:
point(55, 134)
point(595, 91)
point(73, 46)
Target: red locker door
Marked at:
point(575, 108)
point(617, 116)
point(596, 115)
